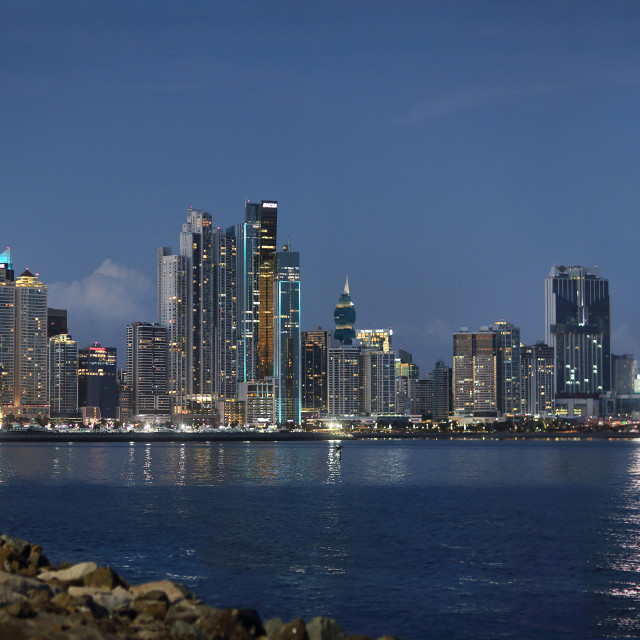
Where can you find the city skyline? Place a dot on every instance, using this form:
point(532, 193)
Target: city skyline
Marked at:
point(441, 158)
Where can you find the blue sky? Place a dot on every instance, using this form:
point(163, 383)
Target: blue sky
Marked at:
point(444, 155)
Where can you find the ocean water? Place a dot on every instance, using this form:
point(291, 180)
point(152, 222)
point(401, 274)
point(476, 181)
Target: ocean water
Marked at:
point(422, 539)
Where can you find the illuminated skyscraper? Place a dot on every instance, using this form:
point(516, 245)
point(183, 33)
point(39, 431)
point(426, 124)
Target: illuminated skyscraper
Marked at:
point(578, 328)
point(344, 381)
point(97, 383)
point(7, 329)
point(248, 298)
point(186, 308)
point(508, 375)
point(474, 373)
point(537, 379)
point(377, 382)
point(225, 314)
point(376, 339)
point(146, 375)
point(315, 344)
point(174, 313)
point(196, 244)
point(258, 258)
point(345, 317)
point(63, 375)
point(32, 344)
point(287, 336)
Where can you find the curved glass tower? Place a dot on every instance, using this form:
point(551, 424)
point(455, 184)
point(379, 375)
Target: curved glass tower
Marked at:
point(345, 317)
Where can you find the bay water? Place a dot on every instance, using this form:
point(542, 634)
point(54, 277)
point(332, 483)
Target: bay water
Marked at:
point(421, 539)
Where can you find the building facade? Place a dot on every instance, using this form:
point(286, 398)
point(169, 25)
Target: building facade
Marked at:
point(146, 374)
point(578, 328)
point(97, 379)
point(343, 373)
point(537, 366)
point(63, 375)
point(287, 365)
point(314, 350)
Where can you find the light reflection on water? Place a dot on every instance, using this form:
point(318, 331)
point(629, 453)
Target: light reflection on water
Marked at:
point(512, 539)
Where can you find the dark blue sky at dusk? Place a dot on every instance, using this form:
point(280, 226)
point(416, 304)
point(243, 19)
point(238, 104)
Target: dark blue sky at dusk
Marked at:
point(443, 155)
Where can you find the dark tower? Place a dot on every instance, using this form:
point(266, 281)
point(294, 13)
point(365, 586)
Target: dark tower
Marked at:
point(345, 317)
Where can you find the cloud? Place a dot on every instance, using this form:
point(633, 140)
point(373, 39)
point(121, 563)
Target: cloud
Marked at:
point(100, 305)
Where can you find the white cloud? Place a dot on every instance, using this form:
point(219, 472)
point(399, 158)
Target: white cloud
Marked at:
point(100, 305)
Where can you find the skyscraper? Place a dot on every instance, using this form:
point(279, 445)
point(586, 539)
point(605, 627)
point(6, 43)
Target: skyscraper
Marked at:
point(287, 336)
point(578, 328)
point(7, 329)
point(174, 313)
point(225, 314)
point(265, 215)
point(97, 382)
point(315, 344)
point(537, 379)
point(186, 309)
point(196, 245)
point(474, 373)
point(344, 380)
point(63, 375)
point(146, 375)
point(377, 339)
point(31, 352)
point(377, 382)
point(345, 317)
point(508, 375)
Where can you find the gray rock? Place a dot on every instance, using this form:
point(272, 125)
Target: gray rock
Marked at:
point(182, 629)
point(75, 572)
point(17, 543)
point(107, 598)
point(271, 627)
point(20, 584)
point(321, 628)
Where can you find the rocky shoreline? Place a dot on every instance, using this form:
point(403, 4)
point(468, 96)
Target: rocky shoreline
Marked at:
point(83, 601)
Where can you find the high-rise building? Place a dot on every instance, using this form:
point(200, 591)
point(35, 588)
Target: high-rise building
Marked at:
point(225, 314)
point(441, 405)
point(31, 350)
point(265, 215)
point(419, 393)
point(186, 306)
point(345, 317)
point(578, 328)
point(248, 297)
point(623, 370)
point(508, 375)
point(97, 379)
point(146, 374)
point(287, 336)
point(7, 329)
point(474, 373)
point(343, 371)
point(315, 344)
point(63, 375)
point(174, 313)
point(377, 382)
point(537, 379)
point(376, 339)
point(196, 244)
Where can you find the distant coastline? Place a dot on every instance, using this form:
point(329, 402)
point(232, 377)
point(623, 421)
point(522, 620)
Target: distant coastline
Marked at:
point(47, 436)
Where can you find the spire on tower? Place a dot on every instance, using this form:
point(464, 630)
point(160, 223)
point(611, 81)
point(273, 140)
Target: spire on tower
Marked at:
point(346, 286)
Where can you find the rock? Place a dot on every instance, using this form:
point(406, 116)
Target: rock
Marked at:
point(182, 629)
point(19, 545)
point(23, 585)
point(232, 624)
point(321, 628)
point(272, 626)
point(104, 577)
point(107, 598)
point(173, 590)
point(295, 630)
point(75, 572)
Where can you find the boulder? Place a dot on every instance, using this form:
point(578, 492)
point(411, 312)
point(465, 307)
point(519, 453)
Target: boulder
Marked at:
point(73, 573)
point(321, 628)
